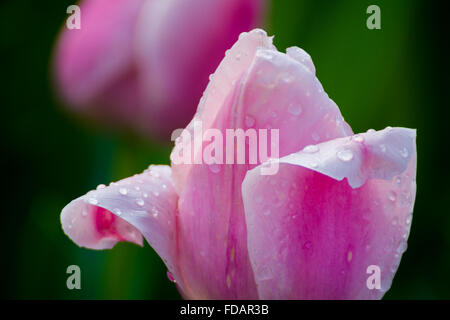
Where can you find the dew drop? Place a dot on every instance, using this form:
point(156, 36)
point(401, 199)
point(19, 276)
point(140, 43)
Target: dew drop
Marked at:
point(145, 195)
point(313, 164)
point(358, 138)
point(140, 202)
point(311, 149)
point(93, 201)
point(402, 247)
point(137, 188)
point(307, 245)
point(100, 186)
point(295, 109)
point(249, 121)
point(404, 153)
point(123, 191)
point(408, 220)
point(170, 277)
point(397, 181)
point(287, 77)
point(383, 148)
point(392, 196)
point(395, 221)
point(345, 155)
point(214, 168)
point(84, 213)
point(315, 137)
point(156, 193)
point(117, 211)
point(155, 174)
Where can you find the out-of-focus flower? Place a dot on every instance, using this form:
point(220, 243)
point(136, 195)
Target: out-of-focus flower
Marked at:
point(338, 204)
point(144, 63)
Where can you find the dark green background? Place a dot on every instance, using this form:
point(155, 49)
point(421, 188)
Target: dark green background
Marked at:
point(395, 76)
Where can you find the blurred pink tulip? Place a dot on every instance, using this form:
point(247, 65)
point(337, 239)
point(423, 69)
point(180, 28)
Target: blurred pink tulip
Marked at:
point(144, 63)
point(339, 204)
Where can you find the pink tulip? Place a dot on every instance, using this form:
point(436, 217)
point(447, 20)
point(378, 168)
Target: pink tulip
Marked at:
point(339, 203)
point(145, 63)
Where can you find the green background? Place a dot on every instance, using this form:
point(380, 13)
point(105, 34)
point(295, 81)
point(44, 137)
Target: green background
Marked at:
point(395, 76)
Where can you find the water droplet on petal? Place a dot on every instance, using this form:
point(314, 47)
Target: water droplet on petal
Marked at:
point(93, 201)
point(84, 213)
point(345, 155)
point(287, 77)
point(408, 220)
point(123, 191)
point(392, 196)
point(313, 164)
point(402, 247)
point(156, 193)
point(295, 109)
point(214, 168)
point(307, 245)
point(140, 202)
point(404, 153)
point(398, 181)
point(170, 277)
point(358, 138)
point(395, 221)
point(249, 121)
point(315, 136)
point(311, 149)
point(117, 211)
point(100, 186)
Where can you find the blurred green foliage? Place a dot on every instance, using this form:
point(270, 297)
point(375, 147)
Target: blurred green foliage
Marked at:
point(393, 76)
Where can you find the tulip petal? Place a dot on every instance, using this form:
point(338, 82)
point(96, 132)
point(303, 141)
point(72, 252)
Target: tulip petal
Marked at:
point(94, 64)
point(144, 204)
point(312, 234)
point(213, 256)
point(179, 41)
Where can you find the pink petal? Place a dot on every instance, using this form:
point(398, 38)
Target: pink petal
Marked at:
point(253, 80)
point(94, 65)
point(180, 43)
point(312, 235)
point(145, 204)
